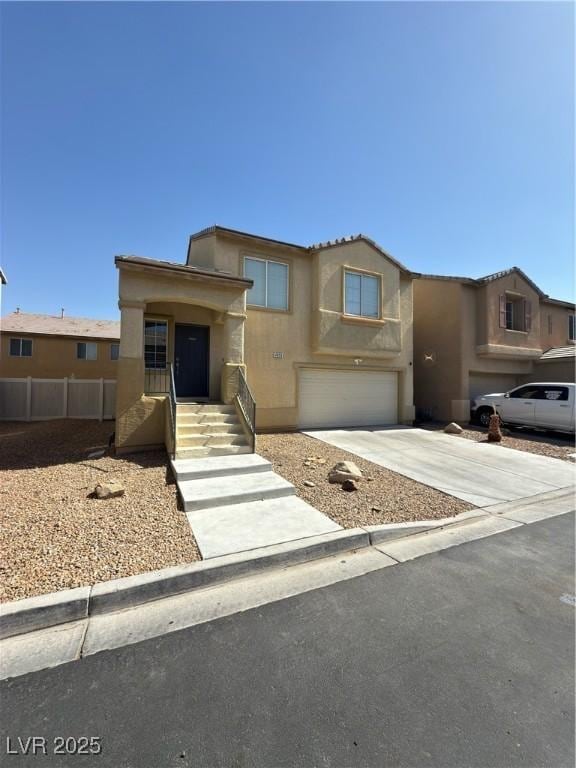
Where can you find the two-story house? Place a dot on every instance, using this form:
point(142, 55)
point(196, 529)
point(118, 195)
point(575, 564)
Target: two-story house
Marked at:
point(477, 336)
point(320, 335)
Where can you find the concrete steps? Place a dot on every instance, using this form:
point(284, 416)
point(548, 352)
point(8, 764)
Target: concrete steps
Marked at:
point(233, 489)
point(197, 469)
point(208, 429)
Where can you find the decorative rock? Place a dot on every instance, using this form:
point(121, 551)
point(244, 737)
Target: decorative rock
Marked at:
point(376, 509)
point(309, 484)
point(349, 485)
point(344, 470)
point(453, 429)
point(109, 489)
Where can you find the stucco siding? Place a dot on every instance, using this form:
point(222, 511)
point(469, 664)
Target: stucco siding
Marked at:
point(55, 357)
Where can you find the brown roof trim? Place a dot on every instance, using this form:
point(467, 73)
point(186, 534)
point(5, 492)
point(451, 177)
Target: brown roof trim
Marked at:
point(22, 333)
point(226, 231)
point(559, 303)
point(3, 280)
point(139, 262)
point(236, 233)
point(496, 276)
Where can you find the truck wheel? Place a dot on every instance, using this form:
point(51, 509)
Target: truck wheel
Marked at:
point(484, 417)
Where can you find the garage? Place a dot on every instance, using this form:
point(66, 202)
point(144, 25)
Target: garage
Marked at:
point(333, 398)
point(491, 383)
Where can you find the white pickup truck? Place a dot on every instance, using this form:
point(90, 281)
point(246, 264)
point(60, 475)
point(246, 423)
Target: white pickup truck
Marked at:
point(546, 405)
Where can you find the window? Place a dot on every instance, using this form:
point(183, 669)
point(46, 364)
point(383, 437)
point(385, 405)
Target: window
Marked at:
point(515, 312)
point(270, 287)
point(361, 294)
point(87, 350)
point(529, 392)
point(572, 327)
point(550, 324)
point(21, 347)
point(114, 351)
point(155, 343)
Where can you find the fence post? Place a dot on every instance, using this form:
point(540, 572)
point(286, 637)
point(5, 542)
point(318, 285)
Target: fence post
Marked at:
point(65, 403)
point(28, 398)
point(101, 400)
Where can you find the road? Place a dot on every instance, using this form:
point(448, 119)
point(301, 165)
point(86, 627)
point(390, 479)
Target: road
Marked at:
point(460, 658)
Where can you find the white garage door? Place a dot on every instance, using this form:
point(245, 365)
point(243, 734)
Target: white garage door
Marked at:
point(347, 398)
point(491, 383)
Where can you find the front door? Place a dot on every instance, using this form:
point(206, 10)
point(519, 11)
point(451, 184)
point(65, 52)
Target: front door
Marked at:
point(191, 360)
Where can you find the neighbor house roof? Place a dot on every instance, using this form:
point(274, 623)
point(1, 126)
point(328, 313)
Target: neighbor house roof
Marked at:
point(54, 325)
point(226, 231)
point(559, 353)
point(496, 276)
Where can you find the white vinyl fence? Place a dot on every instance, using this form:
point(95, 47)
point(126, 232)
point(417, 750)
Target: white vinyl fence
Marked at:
point(41, 399)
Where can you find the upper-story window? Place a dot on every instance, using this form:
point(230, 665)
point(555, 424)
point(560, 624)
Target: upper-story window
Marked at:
point(515, 312)
point(361, 294)
point(114, 351)
point(21, 347)
point(572, 327)
point(87, 350)
point(155, 343)
point(270, 287)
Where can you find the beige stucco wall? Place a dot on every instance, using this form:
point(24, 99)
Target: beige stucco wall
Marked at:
point(54, 357)
point(460, 324)
point(312, 332)
point(559, 317)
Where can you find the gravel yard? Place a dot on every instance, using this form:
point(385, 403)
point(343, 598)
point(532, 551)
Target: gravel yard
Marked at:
point(556, 445)
point(382, 497)
point(54, 536)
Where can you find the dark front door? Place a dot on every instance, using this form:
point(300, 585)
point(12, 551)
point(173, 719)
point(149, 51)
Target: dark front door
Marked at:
point(191, 353)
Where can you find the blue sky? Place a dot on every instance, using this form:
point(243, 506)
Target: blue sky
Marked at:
point(442, 130)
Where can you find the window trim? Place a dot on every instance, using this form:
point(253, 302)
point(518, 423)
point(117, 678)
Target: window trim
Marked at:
point(362, 273)
point(114, 344)
point(513, 297)
point(86, 359)
point(155, 319)
point(266, 261)
point(572, 327)
point(20, 339)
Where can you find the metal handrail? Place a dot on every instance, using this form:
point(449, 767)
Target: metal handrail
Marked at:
point(172, 396)
point(247, 405)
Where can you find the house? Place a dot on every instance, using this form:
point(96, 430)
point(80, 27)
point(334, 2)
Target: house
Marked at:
point(477, 336)
point(57, 367)
point(316, 336)
point(52, 347)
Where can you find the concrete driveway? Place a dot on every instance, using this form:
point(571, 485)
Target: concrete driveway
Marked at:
point(479, 473)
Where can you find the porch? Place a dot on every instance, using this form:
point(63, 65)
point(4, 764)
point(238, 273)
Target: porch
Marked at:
point(181, 343)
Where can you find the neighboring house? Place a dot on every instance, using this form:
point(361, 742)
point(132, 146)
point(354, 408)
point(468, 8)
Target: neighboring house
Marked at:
point(556, 364)
point(322, 333)
point(478, 336)
point(49, 347)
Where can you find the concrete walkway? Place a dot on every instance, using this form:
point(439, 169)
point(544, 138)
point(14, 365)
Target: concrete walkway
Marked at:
point(479, 473)
point(237, 503)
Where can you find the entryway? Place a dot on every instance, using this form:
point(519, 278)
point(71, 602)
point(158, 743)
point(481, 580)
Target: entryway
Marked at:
point(191, 360)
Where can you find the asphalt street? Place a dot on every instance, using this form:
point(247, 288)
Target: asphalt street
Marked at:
point(461, 658)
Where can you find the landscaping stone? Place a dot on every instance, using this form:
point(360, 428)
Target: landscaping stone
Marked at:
point(309, 484)
point(349, 485)
point(96, 454)
point(344, 470)
point(453, 429)
point(109, 490)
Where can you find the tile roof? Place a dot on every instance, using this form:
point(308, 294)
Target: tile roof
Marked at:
point(559, 353)
point(51, 325)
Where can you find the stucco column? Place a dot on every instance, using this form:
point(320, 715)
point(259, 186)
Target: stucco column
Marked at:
point(233, 353)
point(130, 378)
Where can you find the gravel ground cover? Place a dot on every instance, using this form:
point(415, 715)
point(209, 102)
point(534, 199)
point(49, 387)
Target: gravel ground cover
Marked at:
point(556, 445)
point(53, 536)
point(382, 497)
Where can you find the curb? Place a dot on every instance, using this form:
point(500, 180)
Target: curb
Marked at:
point(390, 531)
point(30, 614)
